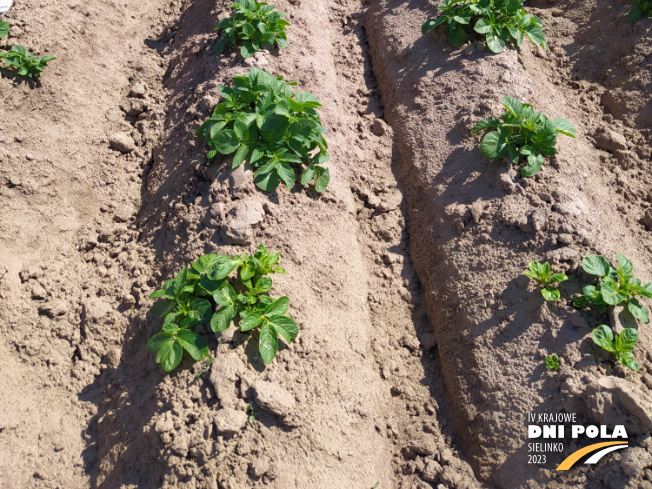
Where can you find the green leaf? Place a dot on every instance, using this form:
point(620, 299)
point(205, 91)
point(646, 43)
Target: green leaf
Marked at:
point(180, 281)
point(200, 311)
point(222, 318)
point(225, 296)
point(204, 262)
point(513, 105)
point(483, 26)
point(155, 342)
point(193, 343)
point(430, 24)
point(223, 267)
point(596, 265)
point(240, 156)
point(323, 178)
point(591, 292)
point(611, 294)
point(638, 311)
point(4, 28)
point(278, 307)
point(628, 338)
point(268, 343)
point(307, 176)
point(627, 359)
point(535, 34)
point(267, 181)
point(533, 165)
point(225, 141)
point(625, 264)
point(485, 124)
point(564, 127)
point(495, 43)
point(162, 308)
point(287, 174)
point(493, 145)
point(550, 293)
point(457, 37)
point(250, 321)
point(285, 326)
point(603, 337)
point(169, 354)
point(633, 16)
point(558, 277)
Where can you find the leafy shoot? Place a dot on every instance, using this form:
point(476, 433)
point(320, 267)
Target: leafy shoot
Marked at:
point(615, 286)
point(252, 25)
point(277, 131)
point(522, 135)
point(552, 362)
point(205, 294)
point(24, 64)
point(542, 273)
point(642, 8)
point(502, 22)
point(621, 345)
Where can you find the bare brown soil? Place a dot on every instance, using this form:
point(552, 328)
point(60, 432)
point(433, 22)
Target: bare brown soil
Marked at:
point(421, 346)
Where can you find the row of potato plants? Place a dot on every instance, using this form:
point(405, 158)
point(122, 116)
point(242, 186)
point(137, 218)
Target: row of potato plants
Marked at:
point(278, 131)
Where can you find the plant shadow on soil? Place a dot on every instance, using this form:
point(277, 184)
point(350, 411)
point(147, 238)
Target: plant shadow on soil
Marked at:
point(30, 82)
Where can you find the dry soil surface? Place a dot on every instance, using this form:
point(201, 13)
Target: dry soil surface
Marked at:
point(421, 344)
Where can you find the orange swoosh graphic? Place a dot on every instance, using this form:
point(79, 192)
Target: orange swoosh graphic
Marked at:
point(575, 456)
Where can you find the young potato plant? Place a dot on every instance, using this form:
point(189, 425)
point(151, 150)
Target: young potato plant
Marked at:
point(552, 362)
point(205, 293)
point(277, 131)
point(543, 273)
point(500, 21)
point(642, 8)
point(615, 286)
point(24, 64)
point(621, 346)
point(522, 135)
point(4, 28)
point(253, 25)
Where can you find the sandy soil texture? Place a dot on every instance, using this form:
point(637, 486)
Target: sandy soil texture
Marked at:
point(421, 344)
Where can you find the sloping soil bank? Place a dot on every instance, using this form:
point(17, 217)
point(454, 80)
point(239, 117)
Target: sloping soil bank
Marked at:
point(108, 193)
point(475, 225)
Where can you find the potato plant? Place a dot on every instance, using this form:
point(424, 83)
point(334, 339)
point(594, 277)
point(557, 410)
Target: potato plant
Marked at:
point(277, 131)
point(542, 273)
point(522, 135)
point(500, 21)
point(19, 60)
point(205, 294)
point(552, 362)
point(642, 8)
point(621, 345)
point(252, 25)
point(615, 286)
point(4, 28)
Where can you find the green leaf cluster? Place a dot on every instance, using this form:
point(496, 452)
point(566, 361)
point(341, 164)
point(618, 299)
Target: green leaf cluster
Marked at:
point(642, 8)
point(522, 135)
point(543, 273)
point(552, 362)
point(277, 131)
point(204, 293)
point(252, 25)
point(500, 21)
point(621, 345)
point(24, 64)
point(615, 286)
